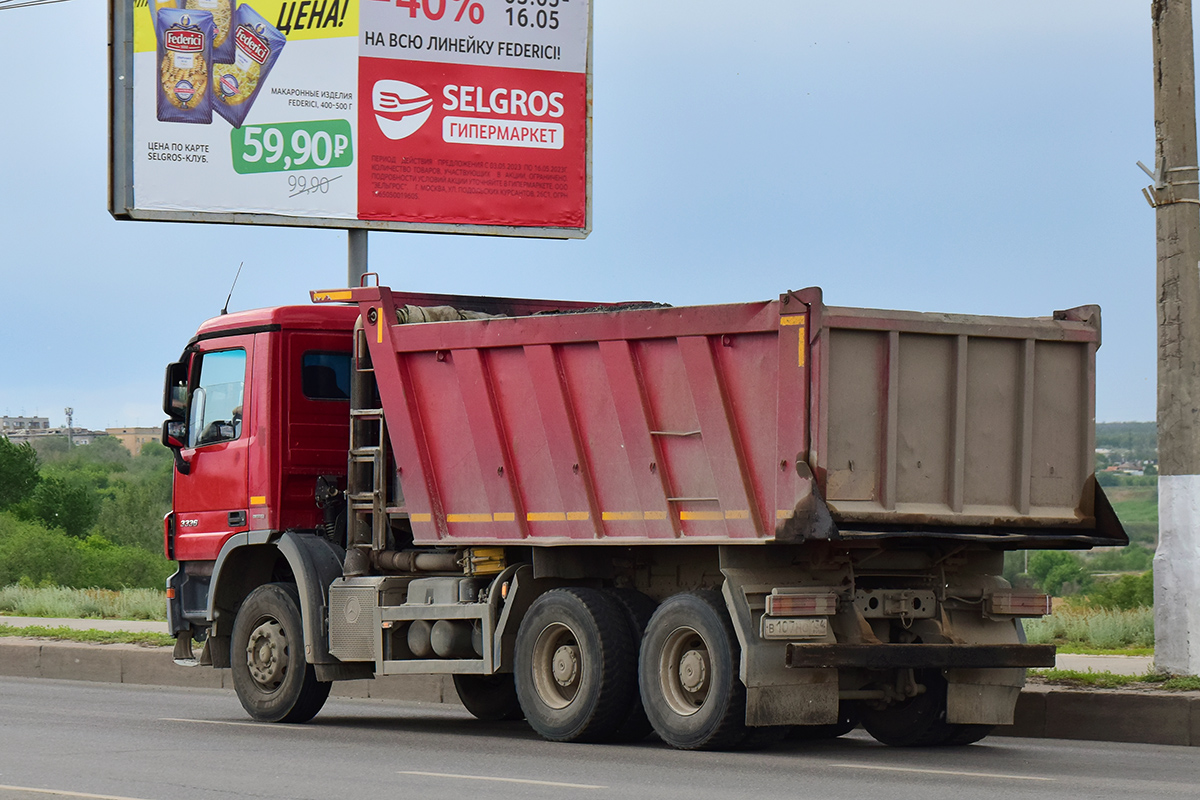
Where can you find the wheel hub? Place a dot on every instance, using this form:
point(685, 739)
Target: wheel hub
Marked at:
point(693, 671)
point(557, 670)
point(685, 671)
point(266, 654)
point(566, 665)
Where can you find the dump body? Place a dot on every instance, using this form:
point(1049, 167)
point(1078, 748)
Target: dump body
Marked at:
point(776, 421)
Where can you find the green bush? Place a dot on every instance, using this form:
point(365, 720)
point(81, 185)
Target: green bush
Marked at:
point(68, 502)
point(1127, 592)
point(40, 556)
point(18, 472)
point(133, 513)
point(1134, 558)
point(59, 601)
point(1095, 628)
point(1052, 569)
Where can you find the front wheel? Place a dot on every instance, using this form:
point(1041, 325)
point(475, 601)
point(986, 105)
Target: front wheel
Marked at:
point(489, 697)
point(273, 680)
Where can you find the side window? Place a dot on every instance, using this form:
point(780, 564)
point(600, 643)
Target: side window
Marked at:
point(216, 409)
point(325, 376)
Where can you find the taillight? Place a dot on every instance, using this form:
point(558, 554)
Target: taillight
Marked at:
point(1018, 604)
point(791, 603)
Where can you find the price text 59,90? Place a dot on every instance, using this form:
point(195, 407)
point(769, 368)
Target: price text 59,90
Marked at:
point(322, 144)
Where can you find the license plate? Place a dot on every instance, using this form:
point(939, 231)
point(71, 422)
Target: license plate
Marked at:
point(794, 628)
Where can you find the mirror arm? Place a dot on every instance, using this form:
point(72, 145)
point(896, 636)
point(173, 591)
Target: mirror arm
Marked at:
point(183, 466)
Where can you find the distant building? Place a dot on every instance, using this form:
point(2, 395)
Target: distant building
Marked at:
point(79, 436)
point(23, 429)
point(134, 438)
point(22, 424)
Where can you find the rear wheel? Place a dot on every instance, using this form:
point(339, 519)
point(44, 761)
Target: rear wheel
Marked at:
point(638, 610)
point(688, 674)
point(847, 721)
point(575, 665)
point(919, 721)
point(273, 680)
point(968, 734)
point(489, 697)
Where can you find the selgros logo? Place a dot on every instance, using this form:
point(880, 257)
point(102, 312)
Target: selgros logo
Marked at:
point(400, 108)
point(251, 44)
point(185, 41)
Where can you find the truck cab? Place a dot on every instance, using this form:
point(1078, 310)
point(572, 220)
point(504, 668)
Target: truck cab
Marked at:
point(259, 412)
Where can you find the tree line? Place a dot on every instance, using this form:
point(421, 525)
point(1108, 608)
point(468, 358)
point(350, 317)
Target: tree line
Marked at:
point(83, 516)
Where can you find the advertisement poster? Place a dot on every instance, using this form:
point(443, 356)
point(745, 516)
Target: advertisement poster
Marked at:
point(397, 114)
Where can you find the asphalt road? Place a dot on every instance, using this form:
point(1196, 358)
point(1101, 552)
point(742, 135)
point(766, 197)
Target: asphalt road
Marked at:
point(73, 739)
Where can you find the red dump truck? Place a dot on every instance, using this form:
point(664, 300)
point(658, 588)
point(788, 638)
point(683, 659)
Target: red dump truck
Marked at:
point(714, 523)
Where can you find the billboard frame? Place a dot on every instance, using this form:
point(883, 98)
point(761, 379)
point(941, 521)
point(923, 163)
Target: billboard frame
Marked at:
point(121, 159)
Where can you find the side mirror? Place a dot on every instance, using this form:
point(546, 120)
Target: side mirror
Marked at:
point(175, 390)
point(174, 435)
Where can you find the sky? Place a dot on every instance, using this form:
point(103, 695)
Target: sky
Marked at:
point(929, 156)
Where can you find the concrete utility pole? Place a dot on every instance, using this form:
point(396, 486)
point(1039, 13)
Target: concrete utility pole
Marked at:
point(1177, 220)
point(356, 256)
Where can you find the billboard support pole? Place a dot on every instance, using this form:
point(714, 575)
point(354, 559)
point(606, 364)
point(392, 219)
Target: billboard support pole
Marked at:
point(356, 252)
point(1177, 222)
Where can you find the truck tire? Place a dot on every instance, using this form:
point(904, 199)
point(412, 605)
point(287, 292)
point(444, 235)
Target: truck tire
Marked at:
point(967, 734)
point(916, 722)
point(847, 721)
point(273, 680)
point(575, 665)
point(688, 674)
point(489, 697)
point(638, 610)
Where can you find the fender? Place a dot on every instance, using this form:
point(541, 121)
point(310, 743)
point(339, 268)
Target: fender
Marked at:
point(248, 560)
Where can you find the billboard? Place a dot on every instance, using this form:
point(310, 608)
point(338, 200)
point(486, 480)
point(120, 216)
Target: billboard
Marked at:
point(467, 116)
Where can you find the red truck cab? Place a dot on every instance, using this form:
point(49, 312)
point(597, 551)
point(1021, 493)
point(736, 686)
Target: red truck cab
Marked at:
point(259, 408)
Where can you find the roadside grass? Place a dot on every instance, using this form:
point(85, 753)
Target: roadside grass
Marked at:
point(1077, 650)
point(61, 602)
point(1138, 509)
point(92, 637)
point(1097, 630)
point(1109, 680)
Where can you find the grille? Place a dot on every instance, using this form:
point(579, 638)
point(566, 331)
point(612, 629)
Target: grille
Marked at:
point(352, 626)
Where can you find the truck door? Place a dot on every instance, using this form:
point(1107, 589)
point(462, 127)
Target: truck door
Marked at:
point(212, 501)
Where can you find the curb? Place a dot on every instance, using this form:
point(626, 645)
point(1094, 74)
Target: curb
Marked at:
point(1107, 716)
point(153, 666)
point(1042, 712)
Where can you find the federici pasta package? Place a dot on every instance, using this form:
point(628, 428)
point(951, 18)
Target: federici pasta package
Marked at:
point(184, 65)
point(257, 45)
point(222, 12)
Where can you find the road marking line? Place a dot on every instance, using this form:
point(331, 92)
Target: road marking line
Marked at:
point(62, 793)
point(501, 780)
point(945, 772)
point(239, 724)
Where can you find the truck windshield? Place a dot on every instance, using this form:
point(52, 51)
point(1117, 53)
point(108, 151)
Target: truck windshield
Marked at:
point(216, 410)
